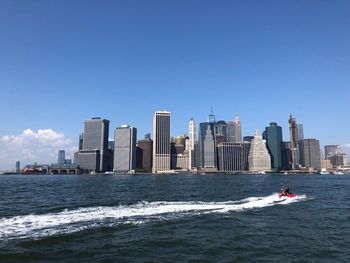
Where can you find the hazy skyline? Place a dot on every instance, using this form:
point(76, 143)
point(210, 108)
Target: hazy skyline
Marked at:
point(63, 62)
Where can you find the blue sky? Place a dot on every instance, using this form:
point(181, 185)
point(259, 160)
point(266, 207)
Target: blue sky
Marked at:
point(66, 61)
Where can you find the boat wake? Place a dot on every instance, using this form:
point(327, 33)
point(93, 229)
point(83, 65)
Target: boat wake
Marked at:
point(69, 221)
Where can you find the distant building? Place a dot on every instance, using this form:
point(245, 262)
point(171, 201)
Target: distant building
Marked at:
point(274, 144)
point(89, 160)
point(125, 149)
point(179, 162)
point(338, 160)
point(230, 157)
point(286, 156)
point(234, 131)
point(207, 154)
point(259, 157)
point(293, 142)
point(148, 136)
point(18, 167)
point(61, 157)
point(191, 144)
point(330, 150)
point(81, 138)
point(220, 128)
point(300, 132)
point(161, 141)
point(95, 145)
point(326, 164)
point(310, 154)
point(245, 155)
point(248, 138)
point(144, 155)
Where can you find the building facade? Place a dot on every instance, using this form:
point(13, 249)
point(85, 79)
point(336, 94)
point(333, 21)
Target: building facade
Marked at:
point(95, 143)
point(274, 144)
point(125, 149)
point(259, 157)
point(234, 130)
point(161, 142)
point(61, 157)
point(144, 155)
point(207, 146)
point(293, 142)
point(310, 154)
point(230, 157)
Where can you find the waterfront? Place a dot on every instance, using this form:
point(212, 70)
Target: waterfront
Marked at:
point(175, 218)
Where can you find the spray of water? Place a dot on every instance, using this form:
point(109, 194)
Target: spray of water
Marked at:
point(68, 221)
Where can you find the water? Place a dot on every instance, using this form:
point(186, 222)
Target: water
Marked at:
point(175, 218)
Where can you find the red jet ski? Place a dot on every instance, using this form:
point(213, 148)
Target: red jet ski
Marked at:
point(286, 193)
point(291, 195)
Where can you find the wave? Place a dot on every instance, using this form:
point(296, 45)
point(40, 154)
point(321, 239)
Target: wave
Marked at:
point(69, 221)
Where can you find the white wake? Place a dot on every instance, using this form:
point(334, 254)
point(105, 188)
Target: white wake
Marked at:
point(68, 221)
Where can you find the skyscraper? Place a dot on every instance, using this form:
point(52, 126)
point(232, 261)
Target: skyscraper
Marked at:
point(300, 131)
point(330, 150)
point(286, 156)
point(230, 157)
point(125, 149)
point(234, 131)
point(94, 155)
point(293, 142)
point(161, 141)
point(274, 143)
point(81, 138)
point(61, 157)
point(310, 154)
point(191, 134)
point(191, 144)
point(207, 146)
point(144, 155)
point(18, 167)
point(259, 157)
point(221, 130)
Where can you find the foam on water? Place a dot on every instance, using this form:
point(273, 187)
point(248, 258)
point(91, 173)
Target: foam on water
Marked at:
point(68, 221)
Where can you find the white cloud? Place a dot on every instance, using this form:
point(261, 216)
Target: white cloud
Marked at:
point(347, 145)
point(33, 146)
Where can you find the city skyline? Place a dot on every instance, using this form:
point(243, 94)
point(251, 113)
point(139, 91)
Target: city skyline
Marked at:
point(71, 146)
point(63, 62)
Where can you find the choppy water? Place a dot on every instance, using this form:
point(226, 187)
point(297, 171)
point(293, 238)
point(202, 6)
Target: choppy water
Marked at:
point(175, 218)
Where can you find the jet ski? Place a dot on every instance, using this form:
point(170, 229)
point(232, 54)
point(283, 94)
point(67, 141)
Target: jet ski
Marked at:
point(285, 192)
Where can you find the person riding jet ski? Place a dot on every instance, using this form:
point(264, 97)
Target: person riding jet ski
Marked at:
point(285, 191)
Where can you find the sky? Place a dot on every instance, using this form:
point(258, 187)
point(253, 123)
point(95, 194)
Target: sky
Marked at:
point(65, 61)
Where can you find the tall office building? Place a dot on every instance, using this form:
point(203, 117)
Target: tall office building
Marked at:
point(18, 167)
point(330, 150)
point(230, 157)
point(234, 130)
point(310, 154)
point(286, 156)
point(144, 155)
point(161, 141)
point(207, 147)
point(293, 142)
point(300, 132)
point(192, 133)
point(245, 155)
point(220, 128)
point(94, 155)
point(191, 144)
point(81, 138)
point(61, 157)
point(274, 144)
point(259, 157)
point(124, 149)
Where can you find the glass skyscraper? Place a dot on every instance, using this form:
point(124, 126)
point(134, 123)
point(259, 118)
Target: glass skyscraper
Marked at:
point(273, 135)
